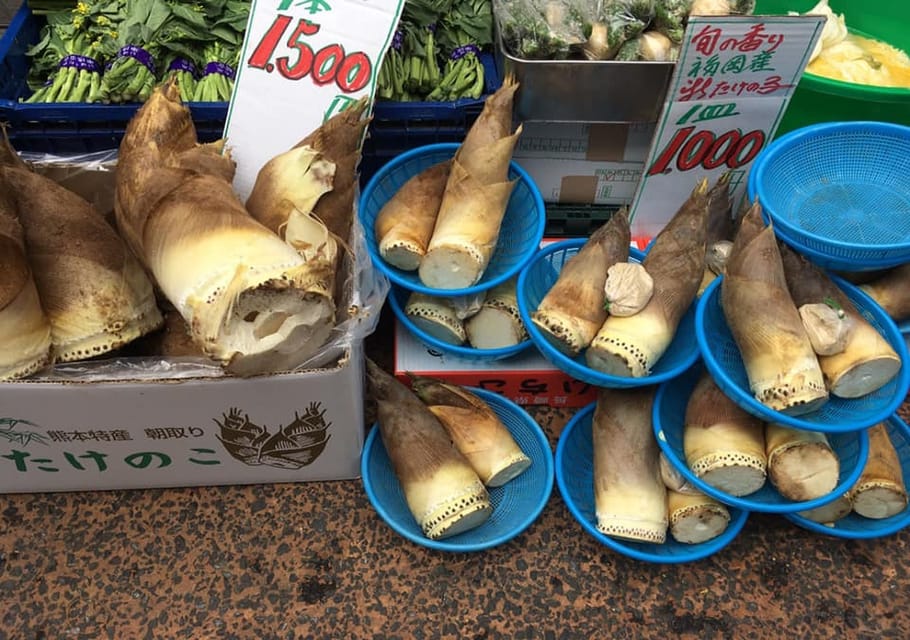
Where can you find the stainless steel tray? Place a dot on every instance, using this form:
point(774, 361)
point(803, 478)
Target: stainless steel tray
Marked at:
point(586, 90)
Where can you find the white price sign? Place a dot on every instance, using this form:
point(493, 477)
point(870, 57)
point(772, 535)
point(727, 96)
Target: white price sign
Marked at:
point(302, 61)
point(730, 89)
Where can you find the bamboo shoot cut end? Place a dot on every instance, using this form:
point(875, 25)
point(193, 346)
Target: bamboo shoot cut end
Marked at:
point(735, 473)
point(802, 471)
point(629, 346)
point(879, 499)
point(494, 327)
point(562, 331)
point(831, 512)
point(511, 469)
point(436, 317)
point(699, 522)
point(401, 254)
point(102, 342)
point(802, 391)
point(865, 377)
point(462, 511)
point(636, 530)
point(452, 266)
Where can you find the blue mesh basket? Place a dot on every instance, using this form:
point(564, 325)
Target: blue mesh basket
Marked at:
point(519, 237)
point(398, 298)
point(575, 479)
point(539, 276)
point(722, 358)
point(516, 504)
point(839, 192)
point(857, 526)
point(851, 447)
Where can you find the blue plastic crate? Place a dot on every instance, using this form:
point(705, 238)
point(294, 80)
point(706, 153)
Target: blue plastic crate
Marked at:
point(64, 128)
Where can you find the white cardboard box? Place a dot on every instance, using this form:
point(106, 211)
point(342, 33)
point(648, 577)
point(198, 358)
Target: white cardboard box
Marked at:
point(69, 436)
point(584, 163)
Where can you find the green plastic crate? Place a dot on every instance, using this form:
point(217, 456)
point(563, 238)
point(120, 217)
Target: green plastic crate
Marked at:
point(821, 100)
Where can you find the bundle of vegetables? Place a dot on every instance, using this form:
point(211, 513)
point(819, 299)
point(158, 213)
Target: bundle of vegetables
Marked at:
point(626, 30)
point(225, 25)
point(434, 54)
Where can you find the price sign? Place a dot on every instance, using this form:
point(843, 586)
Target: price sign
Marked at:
point(302, 62)
point(730, 89)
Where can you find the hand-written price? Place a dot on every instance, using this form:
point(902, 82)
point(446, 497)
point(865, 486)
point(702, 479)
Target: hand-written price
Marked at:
point(691, 149)
point(350, 71)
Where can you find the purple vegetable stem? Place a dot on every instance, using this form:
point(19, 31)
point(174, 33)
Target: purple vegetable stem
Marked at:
point(80, 62)
point(219, 67)
point(462, 51)
point(140, 54)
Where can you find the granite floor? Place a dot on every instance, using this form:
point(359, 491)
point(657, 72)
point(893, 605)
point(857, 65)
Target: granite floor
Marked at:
point(295, 561)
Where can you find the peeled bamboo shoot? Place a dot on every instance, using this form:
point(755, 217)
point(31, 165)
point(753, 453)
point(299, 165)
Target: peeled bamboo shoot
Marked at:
point(498, 323)
point(867, 362)
point(881, 491)
point(697, 518)
point(25, 332)
point(724, 445)
point(476, 195)
point(630, 345)
point(252, 301)
point(436, 316)
point(801, 464)
point(475, 429)
point(892, 292)
point(442, 490)
point(573, 309)
point(405, 223)
point(629, 495)
point(783, 370)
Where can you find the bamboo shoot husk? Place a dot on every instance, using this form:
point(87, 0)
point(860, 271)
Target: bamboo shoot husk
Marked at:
point(92, 289)
point(673, 479)
point(867, 361)
point(783, 370)
point(25, 332)
point(724, 445)
point(476, 195)
point(695, 518)
point(718, 231)
point(436, 316)
point(405, 223)
point(801, 464)
point(881, 491)
point(892, 292)
point(629, 495)
point(830, 512)
point(252, 302)
point(497, 324)
point(442, 490)
point(629, 346)
point(573, 310)
point(475, 429)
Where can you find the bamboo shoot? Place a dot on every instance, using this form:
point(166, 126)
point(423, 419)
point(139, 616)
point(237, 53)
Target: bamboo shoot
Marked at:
point(436, 316)
point(830, 512)
point(783, 370)
point(442, 490)
point(881, 491)
point(629, 346)
point(629, 494)
point(475, 429)
point(573, 310)
point(498, 323)
point(801, 464)
point(892, 292)
point(695, 518)
point(673, 479)
point(718, 231)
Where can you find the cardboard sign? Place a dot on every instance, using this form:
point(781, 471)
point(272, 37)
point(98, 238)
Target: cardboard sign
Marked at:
point(731, 86)
point(302, 62)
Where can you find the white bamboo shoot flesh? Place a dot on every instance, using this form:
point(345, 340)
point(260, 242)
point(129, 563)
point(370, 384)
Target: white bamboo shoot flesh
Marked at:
point(801, 464)
point(830, 512)
point(475, 429)
point(405, 223)
point(498, 323)
point(443, 492)
point(783, 371)
point(724, 445)
point(695, 518)
point(629, 495)
point(436, 317)
point(881, 491)
point(629, 346)
point(573, 310)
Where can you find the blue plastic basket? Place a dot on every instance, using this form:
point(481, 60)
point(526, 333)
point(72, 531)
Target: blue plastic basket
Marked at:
point(856, 526)
point(852, 449)
point(398, 299)
point(575, 479)
point(539, 276)
point(840, 192)
point(516, 504)
point(722, 358)
point(519, 237)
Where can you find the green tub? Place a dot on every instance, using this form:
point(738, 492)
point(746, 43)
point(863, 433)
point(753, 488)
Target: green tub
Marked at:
point(821, 100)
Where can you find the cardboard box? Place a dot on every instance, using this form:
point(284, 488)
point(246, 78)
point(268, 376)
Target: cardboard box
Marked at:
point(71, 436)
point(527, 379)
point(585, 163)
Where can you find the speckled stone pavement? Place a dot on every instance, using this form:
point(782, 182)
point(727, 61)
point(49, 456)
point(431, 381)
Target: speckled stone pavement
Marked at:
point(315, 561)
